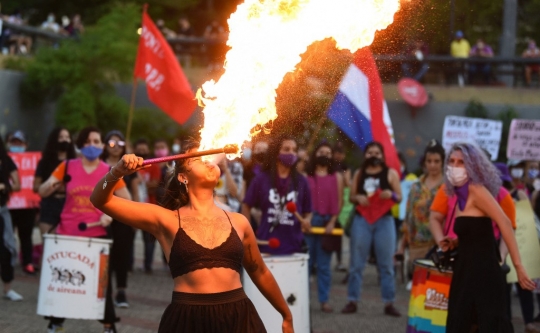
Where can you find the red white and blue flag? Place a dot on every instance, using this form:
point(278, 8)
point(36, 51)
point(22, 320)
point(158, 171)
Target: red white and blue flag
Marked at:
point(359, 108)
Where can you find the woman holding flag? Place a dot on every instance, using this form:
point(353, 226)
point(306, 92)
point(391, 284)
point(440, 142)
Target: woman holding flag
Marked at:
point(375, 189)
point(204, 246)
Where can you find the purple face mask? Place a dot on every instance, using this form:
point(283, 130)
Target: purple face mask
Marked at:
point(287, 160)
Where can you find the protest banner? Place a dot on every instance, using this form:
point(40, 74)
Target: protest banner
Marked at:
point(524, 140)
point(486, 133)
point(26, 166)
point(527, 240)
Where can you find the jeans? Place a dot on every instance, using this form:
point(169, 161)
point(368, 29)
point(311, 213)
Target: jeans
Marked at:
point(383, 235)
point(319, 257)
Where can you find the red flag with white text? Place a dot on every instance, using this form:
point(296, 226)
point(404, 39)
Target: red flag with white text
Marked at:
point(166, 84)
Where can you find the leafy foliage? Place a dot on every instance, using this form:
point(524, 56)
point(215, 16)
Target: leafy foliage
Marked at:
point(81, 73)
point(475, 109)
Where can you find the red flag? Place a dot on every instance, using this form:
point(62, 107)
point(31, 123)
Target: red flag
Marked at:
point(166, 84)
point(365, 62)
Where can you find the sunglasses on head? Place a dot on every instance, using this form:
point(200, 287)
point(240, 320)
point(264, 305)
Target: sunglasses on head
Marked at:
point(114, 143)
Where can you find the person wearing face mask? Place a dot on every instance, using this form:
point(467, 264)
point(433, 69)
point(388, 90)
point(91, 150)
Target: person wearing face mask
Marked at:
point(252, 167)
point(478, 288)
point(375, 189)
point(50, 24)
point(326, 187)
point(150, 178)
point(532, 174)
point(23, 219)
point(79, 176)
point(176, 146)
point(57, 149)
point(517, 172)
point(278, 184)
point(122, 234)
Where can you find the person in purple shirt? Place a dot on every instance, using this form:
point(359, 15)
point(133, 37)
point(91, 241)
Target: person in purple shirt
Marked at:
point(327, 196)
point(271, 190)
point(480, 50)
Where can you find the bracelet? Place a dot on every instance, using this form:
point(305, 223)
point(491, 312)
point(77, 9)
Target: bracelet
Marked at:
point(394, 197)
point(115, 179)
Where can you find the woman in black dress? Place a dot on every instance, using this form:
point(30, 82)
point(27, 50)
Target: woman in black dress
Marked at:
point(205, 248)
point(477, 293)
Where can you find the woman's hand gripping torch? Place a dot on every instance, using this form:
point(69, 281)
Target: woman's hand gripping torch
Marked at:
point(228, 149)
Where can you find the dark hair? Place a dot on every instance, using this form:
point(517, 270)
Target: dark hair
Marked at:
point(270, 164)
point(160, 140)
point(84, 134)
point(176, 195)
point(109, 135)
point(433, 147)
point(50, 152)
point(310, 170)
point(141, 141)
point(3, 153)
point(402, 159)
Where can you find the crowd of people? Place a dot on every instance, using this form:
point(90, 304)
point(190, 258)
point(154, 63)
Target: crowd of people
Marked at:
point(276, 190)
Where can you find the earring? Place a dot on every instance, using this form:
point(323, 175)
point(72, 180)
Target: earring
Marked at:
point(185, 184)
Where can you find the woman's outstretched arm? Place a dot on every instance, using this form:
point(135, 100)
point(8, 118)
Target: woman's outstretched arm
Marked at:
point(262, 277)
point(139, 215)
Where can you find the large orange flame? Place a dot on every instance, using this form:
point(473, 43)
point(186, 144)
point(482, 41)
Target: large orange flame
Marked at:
point(267, 38)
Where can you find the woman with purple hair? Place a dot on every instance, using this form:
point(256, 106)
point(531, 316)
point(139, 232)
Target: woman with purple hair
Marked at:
point(477, 293)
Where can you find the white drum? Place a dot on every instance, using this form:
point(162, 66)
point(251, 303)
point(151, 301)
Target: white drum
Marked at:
point(291, 274)
point(74, 277)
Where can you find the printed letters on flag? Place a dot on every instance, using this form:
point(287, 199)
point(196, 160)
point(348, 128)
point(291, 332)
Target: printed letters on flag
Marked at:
point(166, 84)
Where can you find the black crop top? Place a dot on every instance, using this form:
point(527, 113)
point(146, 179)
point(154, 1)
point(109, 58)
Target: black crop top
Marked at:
point(188, 256)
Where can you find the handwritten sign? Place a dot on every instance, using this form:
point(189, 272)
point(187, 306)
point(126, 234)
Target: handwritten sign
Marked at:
point(486, 133)
point(26, 166)
point(527, 240)
point(524, 140)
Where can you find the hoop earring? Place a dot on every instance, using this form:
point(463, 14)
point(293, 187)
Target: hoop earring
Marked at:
point(185, 184)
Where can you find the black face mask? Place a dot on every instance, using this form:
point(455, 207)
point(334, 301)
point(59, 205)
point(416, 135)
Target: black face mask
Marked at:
point(322, 161)
point(373, 161)
point(259, 157)
point(62, 146)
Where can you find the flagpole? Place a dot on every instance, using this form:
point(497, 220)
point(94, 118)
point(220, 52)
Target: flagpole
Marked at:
point(131, 108)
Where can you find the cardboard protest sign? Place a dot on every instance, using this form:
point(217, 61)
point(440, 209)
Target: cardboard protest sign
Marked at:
point(486, 133)
point(524, 140)
point(527, 240)
point(26, 166)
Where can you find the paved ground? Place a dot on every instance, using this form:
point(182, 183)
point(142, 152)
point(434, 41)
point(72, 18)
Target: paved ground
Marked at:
point(148, 296)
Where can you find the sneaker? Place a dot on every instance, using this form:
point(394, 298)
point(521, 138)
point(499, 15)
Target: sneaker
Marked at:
point(341, 268)
point(55, 328)
point(120, 300)
point(12, 295)
point(29, 269)
point(390, 310)
point(326, 308)
point(409, 285)
point(349, 308)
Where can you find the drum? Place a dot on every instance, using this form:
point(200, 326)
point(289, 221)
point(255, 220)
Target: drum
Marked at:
point(428, 306)
point(74, 277)
point(291, 274)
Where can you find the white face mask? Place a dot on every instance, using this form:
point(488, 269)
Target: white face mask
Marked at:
point(176, 148)
point(517, 173)
point(457, 176)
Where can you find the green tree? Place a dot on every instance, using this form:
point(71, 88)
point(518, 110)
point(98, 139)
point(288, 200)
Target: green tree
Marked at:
point(81, 74)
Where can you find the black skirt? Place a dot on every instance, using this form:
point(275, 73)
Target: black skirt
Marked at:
point(229, 311)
